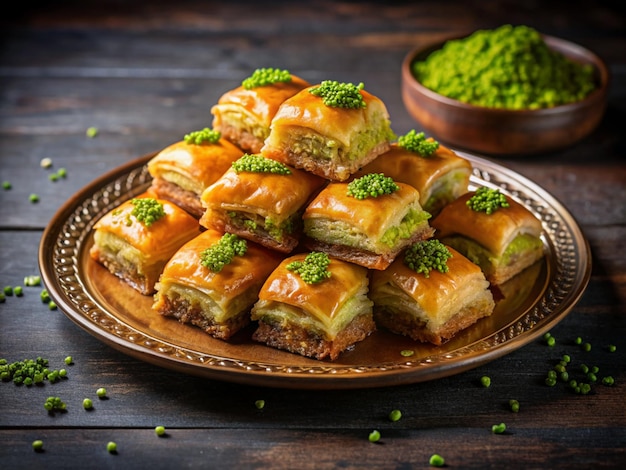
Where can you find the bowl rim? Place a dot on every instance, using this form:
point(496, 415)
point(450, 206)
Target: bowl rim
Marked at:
point(568, 48)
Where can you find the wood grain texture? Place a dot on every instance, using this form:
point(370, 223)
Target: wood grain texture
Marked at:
point(146, 73)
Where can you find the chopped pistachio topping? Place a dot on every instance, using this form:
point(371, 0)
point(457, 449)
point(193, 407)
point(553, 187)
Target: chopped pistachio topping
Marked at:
point(222, 253)
point(205, 135)
point(147, 210)
point(340, 95)
point(259, 164)
point(266, 76)
point(487, 200)
point(372, 185)
point(313, 269)
point(416, 142)
point(423, 257)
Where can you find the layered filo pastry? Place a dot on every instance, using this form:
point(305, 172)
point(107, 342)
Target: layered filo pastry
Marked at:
point(243, 114)
point(493, 230)
point(183, 170)
point(331, 129)
point(367, 221)
point(135, 240)
point(213, 280)
point(437, 172)
point(262, 200)
point(314, 305)
point(430, 293)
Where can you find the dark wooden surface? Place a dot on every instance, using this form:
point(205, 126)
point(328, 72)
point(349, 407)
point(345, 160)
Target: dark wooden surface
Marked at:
point(144, 74)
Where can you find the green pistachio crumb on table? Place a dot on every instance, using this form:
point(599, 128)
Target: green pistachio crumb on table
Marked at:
point(266, 76)
point(498, 428)
point(6, 185)
point(37, 445)
point(313, 269)
point(91, 132)
point(436, 460)
point(111, 447)
point(223, 252)
point(159, 431)
point(101, 392)
point(34, 198)
point(340, 94)
point(45, 162)
point(372, 185)
point(202, 136)
point(374, 436)
point(514, 405)
point(254, 163)
point(425, 256)
point(54, 404)
point(416, 142)
point(485, 381)
point(259, 404)
point(510, 67)
point(88, 404)
point(147, 210)
point(28, 371)
point(32, 280)
point(487, 200)
point(395, 415)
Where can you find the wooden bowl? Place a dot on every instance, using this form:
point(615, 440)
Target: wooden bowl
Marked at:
point(500, 131)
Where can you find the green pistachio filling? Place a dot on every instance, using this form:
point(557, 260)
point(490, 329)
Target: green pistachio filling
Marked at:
point(485, 259)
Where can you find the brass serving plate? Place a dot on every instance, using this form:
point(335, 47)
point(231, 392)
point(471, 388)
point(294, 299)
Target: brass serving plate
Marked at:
point(527, 306)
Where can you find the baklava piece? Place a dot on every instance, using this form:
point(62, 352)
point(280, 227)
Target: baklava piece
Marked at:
point(367, 221)
point(430, 293)
point(493, 230)
point(438, 173)
point(314, 305)
point(212, 282)
point(261, 200)
point(331, 129)
point(183, 170)
point(243, 115)
point(135, 240)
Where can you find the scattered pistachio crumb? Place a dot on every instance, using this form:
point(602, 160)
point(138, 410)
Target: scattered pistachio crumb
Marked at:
point(37, 445)
point(436, 460)
point(45, 162)
point(260, 404)
point(92, 132)
point(498, 428)
point(407, 352)
point(159, 431)
point(34, 198)
point(374, 436)
point(112, 447)
point(6, 185)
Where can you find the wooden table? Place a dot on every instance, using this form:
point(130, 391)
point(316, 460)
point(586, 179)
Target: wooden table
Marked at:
point(146, 73)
